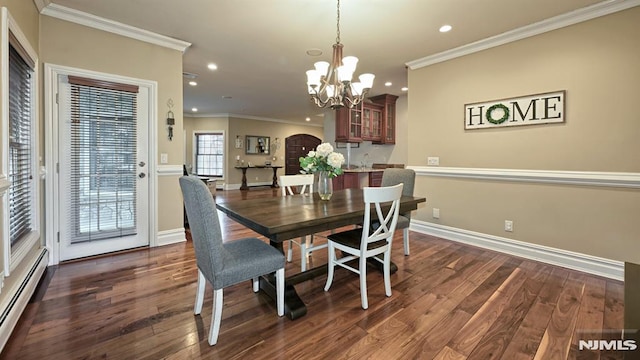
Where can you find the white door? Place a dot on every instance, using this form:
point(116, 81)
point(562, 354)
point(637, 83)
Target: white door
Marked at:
point(103, 162)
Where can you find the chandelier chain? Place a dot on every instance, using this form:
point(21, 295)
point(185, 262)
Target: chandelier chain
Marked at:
point(338, 24)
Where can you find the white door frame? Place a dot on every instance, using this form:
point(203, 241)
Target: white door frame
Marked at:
point(51, 121)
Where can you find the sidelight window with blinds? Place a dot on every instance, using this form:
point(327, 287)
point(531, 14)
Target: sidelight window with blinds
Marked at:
point(21, 163)
point(102, 159)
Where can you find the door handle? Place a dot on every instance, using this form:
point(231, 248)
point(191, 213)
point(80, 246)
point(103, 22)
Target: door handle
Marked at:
point(141, 164)
point(142, 175)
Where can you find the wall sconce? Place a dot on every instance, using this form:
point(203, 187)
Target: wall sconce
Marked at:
point(170, 119)
point(238, 142)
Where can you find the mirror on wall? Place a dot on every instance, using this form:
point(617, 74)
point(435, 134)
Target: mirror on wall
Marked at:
point(257, 145)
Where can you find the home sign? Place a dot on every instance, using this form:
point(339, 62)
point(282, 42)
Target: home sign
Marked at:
point(525, 110)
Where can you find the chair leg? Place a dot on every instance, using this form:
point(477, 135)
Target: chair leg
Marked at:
point(256, 284)
point(386, 266)
point(216, 317)
point(363, 282)
point(405, 235)
point(280, 291)
point(332, 258)
point(303, 253)
point(290, 251)
point(202, 282)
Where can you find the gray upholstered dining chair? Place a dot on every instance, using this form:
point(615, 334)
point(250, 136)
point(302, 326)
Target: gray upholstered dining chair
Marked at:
point(225, 264)
point(305, 184)
point(366, 242)
point(407, 177)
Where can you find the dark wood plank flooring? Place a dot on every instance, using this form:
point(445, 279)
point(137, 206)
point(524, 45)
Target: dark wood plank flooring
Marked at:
point(450, 301)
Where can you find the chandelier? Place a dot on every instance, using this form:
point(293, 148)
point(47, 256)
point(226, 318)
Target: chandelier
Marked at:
point(330, 83)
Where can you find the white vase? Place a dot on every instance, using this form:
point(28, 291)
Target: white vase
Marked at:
point(325, 185)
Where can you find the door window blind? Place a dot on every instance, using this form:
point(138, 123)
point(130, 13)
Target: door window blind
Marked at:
point(20, 157)
point(102, 159)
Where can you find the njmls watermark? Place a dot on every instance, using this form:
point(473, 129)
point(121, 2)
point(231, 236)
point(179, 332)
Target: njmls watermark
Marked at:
point(602, 345)
point(614, 340)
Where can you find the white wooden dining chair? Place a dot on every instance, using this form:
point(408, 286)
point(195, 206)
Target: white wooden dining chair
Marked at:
point(366, 242)
point(304, 185)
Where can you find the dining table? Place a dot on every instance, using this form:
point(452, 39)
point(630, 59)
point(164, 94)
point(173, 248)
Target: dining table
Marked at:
point(282, 218)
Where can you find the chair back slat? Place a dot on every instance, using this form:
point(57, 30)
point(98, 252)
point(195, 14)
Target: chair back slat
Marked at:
point(288, 182)
point(386, 202)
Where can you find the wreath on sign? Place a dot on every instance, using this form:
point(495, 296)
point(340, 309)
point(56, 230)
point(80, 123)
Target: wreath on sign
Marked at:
point(502, 119)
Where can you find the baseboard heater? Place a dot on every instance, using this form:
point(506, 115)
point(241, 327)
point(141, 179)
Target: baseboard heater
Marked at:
point(20, 298)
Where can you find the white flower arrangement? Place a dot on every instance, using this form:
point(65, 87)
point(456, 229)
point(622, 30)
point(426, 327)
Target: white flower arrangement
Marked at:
point(323, 159)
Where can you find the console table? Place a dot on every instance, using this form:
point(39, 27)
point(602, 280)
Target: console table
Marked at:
point(244, 185)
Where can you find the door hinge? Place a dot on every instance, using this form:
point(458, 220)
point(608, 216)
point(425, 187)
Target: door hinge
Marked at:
point(57, 168)
point(58, 236)
point(57, 98)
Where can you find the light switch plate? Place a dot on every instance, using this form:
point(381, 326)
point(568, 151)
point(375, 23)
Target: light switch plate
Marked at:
point(433, 161)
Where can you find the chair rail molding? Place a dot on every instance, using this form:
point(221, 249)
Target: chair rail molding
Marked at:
point(577, 261)
point(588, 178)
point(169, 170)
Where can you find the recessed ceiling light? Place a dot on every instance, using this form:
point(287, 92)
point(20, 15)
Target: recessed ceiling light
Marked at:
point(445, 28)
point(212, 66)
point(404, 88)
point(314, 52)
point(227, 97)
point(193, 83)
point(307, 119)
point(194, 109)
point(388, 83)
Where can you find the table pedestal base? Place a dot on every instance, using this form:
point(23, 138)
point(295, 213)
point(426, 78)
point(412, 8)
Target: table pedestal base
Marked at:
point(294, 306)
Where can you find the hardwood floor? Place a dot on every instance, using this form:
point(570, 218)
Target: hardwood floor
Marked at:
point(450, 301)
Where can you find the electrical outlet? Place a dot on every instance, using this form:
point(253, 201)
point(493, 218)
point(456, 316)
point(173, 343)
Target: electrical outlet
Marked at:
point(436, 213)
point(508, 225)
point(164, 158)
point(433, 161)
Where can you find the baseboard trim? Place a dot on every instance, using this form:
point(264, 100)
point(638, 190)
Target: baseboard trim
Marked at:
point(19, 296)
point(582, 262)
point(168, 237)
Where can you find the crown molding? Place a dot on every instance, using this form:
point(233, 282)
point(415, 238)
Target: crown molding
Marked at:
point(96, 22)
point(250, 117)
point(554, 23)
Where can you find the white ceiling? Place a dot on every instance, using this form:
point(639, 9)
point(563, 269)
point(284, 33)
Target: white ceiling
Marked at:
point(260, 45)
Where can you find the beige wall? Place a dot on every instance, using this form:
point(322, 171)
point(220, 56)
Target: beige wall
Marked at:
point(596, 62)
point(69, 44)
point(233, 127)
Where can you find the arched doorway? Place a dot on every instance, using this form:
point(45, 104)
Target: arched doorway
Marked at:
point(296, 146)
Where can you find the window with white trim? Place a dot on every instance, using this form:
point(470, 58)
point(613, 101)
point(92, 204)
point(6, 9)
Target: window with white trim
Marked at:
point(20, 145)
point(208, 153)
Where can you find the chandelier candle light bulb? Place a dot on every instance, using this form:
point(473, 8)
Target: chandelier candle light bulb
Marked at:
point(330, 83)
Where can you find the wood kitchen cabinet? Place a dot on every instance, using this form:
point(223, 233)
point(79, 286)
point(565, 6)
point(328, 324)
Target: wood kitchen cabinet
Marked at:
point(388, 103)
point(347, 180)
point(349, 124)
point(373, 120)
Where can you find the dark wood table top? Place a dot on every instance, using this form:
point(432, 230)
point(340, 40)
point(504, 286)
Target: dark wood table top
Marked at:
point(283, 218)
